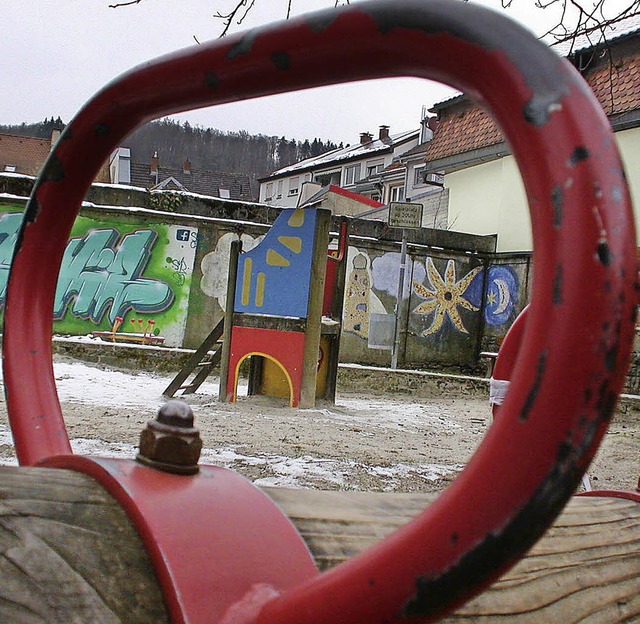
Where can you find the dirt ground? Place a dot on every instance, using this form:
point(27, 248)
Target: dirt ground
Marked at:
point(375, 442)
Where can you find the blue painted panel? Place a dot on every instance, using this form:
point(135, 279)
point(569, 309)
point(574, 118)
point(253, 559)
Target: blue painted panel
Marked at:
point(274, 277)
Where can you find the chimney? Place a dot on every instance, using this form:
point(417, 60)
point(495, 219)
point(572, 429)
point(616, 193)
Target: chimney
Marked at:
point(186, 167)
point(365, 137)
point(384, 134)
point(55, 135)
point(153, 167)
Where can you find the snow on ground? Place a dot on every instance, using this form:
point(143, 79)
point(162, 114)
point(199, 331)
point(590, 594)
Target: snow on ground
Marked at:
point(81, 384)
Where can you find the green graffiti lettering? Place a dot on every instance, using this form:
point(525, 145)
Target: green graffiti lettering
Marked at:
point(9, 227)
point(98, 275)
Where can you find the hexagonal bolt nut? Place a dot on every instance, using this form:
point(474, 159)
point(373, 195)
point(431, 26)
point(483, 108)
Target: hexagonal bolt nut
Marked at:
point(170, 442)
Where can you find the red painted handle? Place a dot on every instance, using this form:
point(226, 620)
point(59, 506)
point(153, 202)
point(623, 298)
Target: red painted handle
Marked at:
point(579, 332)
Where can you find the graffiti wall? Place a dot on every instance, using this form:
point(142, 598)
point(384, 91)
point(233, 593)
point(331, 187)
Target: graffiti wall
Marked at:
point(167, 274)
point(457, 305)
point(136, 277)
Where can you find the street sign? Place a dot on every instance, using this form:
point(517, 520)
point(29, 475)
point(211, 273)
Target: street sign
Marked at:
point(405, 215)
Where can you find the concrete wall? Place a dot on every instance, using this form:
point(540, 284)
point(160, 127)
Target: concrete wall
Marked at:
point(457, 305)
point(165, 271)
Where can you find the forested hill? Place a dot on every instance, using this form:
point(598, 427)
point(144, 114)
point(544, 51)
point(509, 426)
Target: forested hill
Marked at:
point(206, 148)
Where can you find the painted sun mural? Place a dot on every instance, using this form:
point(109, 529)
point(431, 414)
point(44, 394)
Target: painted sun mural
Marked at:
point(444, 297)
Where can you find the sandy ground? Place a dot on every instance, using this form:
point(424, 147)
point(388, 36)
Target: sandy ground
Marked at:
point(363, 442)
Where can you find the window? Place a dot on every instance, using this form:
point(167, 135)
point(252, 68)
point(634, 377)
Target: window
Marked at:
point(225, 193)
point(418, 176)
point(293, 186)
point(396, 194)
point(374, 167)
point(268, 194)
point(351, 174)
point(279, 191)
point(328, 177)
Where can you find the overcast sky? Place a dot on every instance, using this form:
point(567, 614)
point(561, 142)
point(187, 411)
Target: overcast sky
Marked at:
point(58, 53)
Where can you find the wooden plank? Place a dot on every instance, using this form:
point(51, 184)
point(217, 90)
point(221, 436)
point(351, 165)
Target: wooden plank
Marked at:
point(234, 253)
point(585, 569)
point(264, 321)
point(195, 360)
point(314, 309)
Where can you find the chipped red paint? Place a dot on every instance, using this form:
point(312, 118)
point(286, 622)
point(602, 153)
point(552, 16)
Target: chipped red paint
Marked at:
point(579, 333)
point(194, 528)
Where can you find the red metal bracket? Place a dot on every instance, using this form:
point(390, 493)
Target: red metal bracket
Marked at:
point(217, 542)
point(579, 333)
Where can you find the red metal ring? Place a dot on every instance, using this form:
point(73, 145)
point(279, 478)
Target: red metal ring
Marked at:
point(580, 328)
point(508, 352)
point(624, 494)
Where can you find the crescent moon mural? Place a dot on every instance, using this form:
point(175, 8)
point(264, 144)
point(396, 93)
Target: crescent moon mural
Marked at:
point(502, 295)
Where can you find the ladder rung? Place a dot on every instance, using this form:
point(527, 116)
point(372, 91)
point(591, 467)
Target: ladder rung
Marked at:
point(204, 364)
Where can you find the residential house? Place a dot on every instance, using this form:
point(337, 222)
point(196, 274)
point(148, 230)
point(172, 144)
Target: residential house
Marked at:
point(154, 176)
point(352, 167)
point(405, 180)
point(485, 191)
point(25, 155)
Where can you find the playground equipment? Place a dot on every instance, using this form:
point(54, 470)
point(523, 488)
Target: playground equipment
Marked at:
point(284, 305)
point(223, 551)
point(279, 302)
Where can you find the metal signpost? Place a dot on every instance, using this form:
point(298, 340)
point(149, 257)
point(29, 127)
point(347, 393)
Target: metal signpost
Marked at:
point(403, 215)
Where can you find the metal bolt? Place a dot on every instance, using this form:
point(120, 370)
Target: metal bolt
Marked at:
point(170, 442)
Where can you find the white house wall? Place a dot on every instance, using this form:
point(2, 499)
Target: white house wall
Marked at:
point(490, 199)
point(629, 145)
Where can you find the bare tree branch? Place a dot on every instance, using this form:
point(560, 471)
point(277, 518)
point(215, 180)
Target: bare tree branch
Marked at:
point(228, 19)
point(595, 21)
point(591, 19)
point(126, 3)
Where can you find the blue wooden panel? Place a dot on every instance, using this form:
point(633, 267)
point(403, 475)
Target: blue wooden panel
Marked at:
point(274, 277)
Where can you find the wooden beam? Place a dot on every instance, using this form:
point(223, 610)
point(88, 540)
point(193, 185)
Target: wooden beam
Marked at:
point(69, 554)
point(586, 567)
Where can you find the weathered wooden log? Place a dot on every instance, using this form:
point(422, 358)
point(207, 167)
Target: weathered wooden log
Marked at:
point(585, 569)
point(69, 555)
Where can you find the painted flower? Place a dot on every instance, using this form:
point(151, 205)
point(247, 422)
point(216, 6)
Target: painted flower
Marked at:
point(444, 297)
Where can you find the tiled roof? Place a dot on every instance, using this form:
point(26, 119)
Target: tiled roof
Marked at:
point(617, 84)
point(197, 180)
point(26, 154)
point(418, 150)
point(465, 127)
point(599, 36)
point(338, 190)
